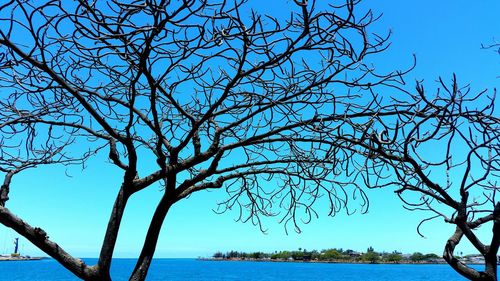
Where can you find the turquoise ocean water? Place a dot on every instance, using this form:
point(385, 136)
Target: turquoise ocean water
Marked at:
point(191, 269)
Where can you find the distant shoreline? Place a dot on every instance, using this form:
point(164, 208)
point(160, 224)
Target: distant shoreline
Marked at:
point(330, 261)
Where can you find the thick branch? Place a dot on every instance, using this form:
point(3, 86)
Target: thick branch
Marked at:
point(456, 264)
point(39, 238)
point(4, 190)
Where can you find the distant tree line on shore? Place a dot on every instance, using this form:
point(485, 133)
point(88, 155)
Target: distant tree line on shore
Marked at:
point(333, 254)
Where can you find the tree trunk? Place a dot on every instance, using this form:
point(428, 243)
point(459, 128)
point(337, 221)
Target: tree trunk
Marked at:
point(148, 249)
point(111, 235)
point(456, 264)
point(490, 273)
point(491, 269)
point(491, 257)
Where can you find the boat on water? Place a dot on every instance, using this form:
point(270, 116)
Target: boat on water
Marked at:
point(16, 256)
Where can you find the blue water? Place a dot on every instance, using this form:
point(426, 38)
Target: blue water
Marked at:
point(190, 269)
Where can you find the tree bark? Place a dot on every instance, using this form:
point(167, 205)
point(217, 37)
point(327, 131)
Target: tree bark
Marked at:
point(490, 273)
point(490, 258)
point(39, 238)
point(5, 188)
point(456, 264)
point(148, 249)
point(109, 243)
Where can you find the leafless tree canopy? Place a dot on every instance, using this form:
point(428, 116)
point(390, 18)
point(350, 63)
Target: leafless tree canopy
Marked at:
point(445, 159)
point(279, 109)
point(218, 94)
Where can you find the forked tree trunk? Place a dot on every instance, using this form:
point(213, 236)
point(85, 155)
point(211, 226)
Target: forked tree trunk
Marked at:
point(491, 259)
point(148, 249)
point(491, 269)
point(490, 272)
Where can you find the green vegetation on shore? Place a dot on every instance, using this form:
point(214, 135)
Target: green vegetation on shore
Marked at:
point(333, 255)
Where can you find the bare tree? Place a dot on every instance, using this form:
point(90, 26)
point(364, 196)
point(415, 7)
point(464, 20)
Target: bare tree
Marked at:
point(445, 160)
point(217, 93)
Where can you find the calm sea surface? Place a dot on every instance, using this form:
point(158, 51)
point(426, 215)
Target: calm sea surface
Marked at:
point(190, 269)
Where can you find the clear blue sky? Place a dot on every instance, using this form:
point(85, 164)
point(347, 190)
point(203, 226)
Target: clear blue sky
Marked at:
point(446, 37)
